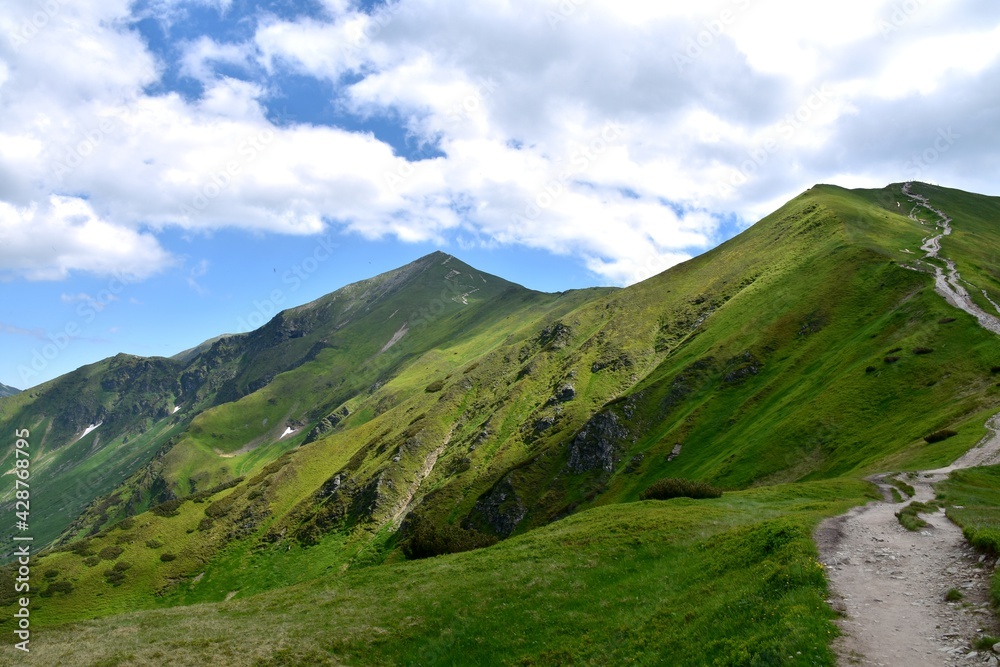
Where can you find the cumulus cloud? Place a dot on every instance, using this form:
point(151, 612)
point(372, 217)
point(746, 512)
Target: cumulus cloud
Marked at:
point(618, 132)
point(51, 240)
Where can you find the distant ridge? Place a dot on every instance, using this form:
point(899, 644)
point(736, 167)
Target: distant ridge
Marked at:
point(8, 391)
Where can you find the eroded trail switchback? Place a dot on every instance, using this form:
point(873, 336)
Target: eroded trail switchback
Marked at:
point(890, 583)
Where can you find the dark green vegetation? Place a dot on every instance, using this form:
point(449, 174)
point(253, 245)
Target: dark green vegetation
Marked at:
point(436, 409)
point(670, 487)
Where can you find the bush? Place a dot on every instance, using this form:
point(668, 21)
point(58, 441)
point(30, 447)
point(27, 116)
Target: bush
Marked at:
point(91, 561)
point(63, 587)
point(435, 386)
point(672, 487)
point(205, 524)
point(922, 350)
point(121, 566)
point(110, 553)
point(166, 558)
point(425, 539)
point(168, 508)
point(114, 577)
point(82, 548)
point(51, 574)
point(938, 436)
point(126, 524)
point(154, 544)
point(870, 369)
point(891, 359)
point(946, 320)
point(953, 595)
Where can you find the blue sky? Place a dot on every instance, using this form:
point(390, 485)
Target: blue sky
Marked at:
point(168, 167)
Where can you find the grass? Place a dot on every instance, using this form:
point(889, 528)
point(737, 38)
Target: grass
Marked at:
point(732, 580)
point(901, 485)
point(909, 516)
point(973, 496)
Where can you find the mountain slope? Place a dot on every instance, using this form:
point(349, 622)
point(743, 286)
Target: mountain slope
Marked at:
point(8, 391)
point(812, 346)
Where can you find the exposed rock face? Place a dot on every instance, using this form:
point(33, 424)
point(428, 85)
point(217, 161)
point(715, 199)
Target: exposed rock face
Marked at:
point(567, 392)
point(327, 424)
point(555, 337)
point(596, 446)
point(500, 508)
point(544, 424)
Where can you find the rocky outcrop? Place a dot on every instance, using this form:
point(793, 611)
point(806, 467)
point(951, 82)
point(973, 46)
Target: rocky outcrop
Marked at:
point(500, 508)
point(597, 446)
point(327, 424)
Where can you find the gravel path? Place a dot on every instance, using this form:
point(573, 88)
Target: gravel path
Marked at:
point(890, 583)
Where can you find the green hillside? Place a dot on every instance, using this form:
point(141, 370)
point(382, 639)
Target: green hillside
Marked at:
point(7, 391)
point(437, 409)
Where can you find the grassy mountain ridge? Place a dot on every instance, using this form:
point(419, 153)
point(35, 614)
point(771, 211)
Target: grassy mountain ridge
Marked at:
point(442, 403)
point(8, 391)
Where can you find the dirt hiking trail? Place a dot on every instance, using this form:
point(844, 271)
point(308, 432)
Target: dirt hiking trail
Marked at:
point(890, 583)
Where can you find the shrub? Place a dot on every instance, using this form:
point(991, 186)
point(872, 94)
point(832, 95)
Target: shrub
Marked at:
point(91, 561)
point(425, 539)
point(895, 350)
point(121, 566)
point(938, 436)
point(946, 320)
point(51, 574)
point(221, 506)
point(126, 524)
point(81, 548)
point(995, 369)
point(63, 587)
point(891, 359)
point(110, 553)
point(922, 350)
point(953, 595)
point(114, 577)
point(154, 544)
point(168, 508)
point(205, 524)
point(870, 369)
point(672, 487)
point(166, 558)
point(435, 386)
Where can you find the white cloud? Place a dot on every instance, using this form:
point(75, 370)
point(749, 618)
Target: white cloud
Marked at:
point(49, 241)
point(716, 103)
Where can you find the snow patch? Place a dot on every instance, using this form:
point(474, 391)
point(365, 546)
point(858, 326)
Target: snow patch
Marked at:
point(288, 431)
point(174, 411)
point(90, 428)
